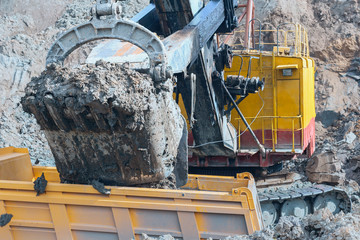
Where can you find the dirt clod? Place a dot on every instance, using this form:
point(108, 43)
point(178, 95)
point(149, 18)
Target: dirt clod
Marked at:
point(40, 185)
point(5, 219)
point(100, 187)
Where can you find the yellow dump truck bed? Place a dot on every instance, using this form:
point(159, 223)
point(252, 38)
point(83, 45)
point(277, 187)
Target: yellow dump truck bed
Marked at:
point(206, 207)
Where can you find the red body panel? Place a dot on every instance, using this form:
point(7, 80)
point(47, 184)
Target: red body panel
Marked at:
point(285, 139)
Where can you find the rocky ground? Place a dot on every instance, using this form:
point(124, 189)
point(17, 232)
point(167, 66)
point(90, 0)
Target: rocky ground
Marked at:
point(23, 48)
point(322, 225)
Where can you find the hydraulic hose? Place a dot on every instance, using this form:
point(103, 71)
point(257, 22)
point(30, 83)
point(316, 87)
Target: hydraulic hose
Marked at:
point(260, 146)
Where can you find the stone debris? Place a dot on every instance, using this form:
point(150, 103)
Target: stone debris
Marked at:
point(350, 138)
point(165, 237)
point(342, 140)
point(76, 13)
point(132, 7)
point(322, 225)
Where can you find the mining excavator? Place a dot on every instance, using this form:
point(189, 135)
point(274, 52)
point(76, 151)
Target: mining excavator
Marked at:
point(241, 102)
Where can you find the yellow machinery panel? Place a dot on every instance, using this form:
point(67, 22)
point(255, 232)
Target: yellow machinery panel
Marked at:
point(206, 207)
point(280, 113)
point(289, 102)
point(15, 158)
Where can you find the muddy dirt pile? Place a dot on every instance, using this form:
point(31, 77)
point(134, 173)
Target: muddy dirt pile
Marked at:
point(107, 122)
point(28, 30)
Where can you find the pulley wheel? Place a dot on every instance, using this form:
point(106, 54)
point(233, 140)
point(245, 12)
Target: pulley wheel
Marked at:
point(329, 201)
point(294, 207)
point(269, 213)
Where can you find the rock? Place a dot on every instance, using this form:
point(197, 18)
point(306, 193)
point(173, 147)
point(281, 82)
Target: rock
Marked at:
point(354, 76)
point(355, 163)
point(327, 118)
point(353, 170)
point(325, 168)
point(322, 225)
point(240, 237)
point(263, 235)
point(289, 228)
point(164, 237)
point(350, 138)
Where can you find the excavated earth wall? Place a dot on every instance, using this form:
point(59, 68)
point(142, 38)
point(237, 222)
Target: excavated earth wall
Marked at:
point(107, 122)
point(25, 37)
point(334, 38)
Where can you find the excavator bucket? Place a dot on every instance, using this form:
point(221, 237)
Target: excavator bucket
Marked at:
point(107, 122)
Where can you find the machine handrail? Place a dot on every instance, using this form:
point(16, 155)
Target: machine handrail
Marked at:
point(300, 43)
point(249, 35)
point(274, 129)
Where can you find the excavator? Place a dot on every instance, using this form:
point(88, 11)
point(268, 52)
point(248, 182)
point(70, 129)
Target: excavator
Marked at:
point(243, 103)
